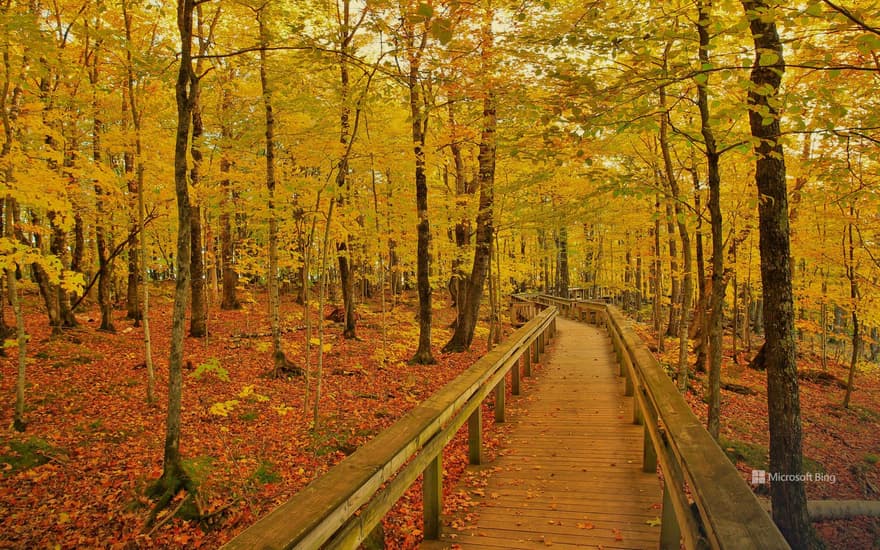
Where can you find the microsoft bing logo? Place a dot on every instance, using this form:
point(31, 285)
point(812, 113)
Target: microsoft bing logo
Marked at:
point(759, 477)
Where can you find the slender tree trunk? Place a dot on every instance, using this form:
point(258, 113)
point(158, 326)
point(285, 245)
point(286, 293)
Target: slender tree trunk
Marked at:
point(783, 397)
point(675, 281)
point(174, 476)
point(419, 122)
point(658, 278)
point(279, 359)
point(687, 285)
point(132, 300)
point(18, 421)
point(227, 207)
point(198, 325)
point(322, 294)
point(105, 263)
point(850, 265)
point(346, 271)
point(139, 182)
point(713, 324)
point(562, 268)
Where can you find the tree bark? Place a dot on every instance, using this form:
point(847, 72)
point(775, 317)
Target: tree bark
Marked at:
point(278, 357)
point(849, 263)
point(469, 310)
point(198, 324)
point(139, 183)
point(186, 89)
point(105, 263)
point(419, 123)
point(713, 325)
point(783, 398)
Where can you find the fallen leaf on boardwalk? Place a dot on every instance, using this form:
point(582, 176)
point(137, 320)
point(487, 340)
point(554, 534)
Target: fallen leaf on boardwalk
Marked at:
point(654, 522)
point(585, 525)
point(617, 535)
point(494, 495)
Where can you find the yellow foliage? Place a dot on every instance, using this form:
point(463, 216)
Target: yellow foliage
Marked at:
point(223, 408)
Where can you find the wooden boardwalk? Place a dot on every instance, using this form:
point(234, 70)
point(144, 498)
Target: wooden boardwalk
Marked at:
point(569, 474)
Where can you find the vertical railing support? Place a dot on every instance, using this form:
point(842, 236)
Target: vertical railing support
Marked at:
point(527, 360)
point(649, 453)
point(432, 497)
point(500, 395)
point(475, 437)
point(514, 378)
point(670, 532)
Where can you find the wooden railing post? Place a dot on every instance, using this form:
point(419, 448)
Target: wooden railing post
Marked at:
point(536, 352)
point(500, 395)
point(527, 360)
point(475, 437)
point(670, 532)
point(432, 497)
point(649, 453)
point(514, 378)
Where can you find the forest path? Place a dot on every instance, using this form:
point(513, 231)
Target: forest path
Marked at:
point(569, 472)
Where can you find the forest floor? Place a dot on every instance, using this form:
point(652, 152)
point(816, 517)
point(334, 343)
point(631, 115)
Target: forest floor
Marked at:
point(77, 477)
point(841, 446)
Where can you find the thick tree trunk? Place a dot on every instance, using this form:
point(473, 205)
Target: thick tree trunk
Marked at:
point(105, 264)
point(783, 397)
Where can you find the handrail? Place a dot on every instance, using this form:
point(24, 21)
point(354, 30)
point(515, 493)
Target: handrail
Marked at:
point(341, 508)
point(726, 515)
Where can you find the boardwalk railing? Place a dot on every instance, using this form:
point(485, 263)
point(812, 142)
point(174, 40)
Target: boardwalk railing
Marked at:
point(706, 504)
point(341, 508)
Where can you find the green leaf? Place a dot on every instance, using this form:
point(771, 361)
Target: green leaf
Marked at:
point(815, 9)
point(425, 10)
point(768, 58)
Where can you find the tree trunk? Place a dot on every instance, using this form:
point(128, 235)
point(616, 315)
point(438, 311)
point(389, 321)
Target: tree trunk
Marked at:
point(562, 275)
point(132, 300)
point(186, 89)
point(463, 335)
point(278, 357)
point(139, 182)
point(346, 138)
point(198, 325)
point(419, 122)
point(850, 265)
point(658, 278)
point(783, 398)
point(687, 288)
point(227, 207)
point(714, 327)
point(675, 286)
